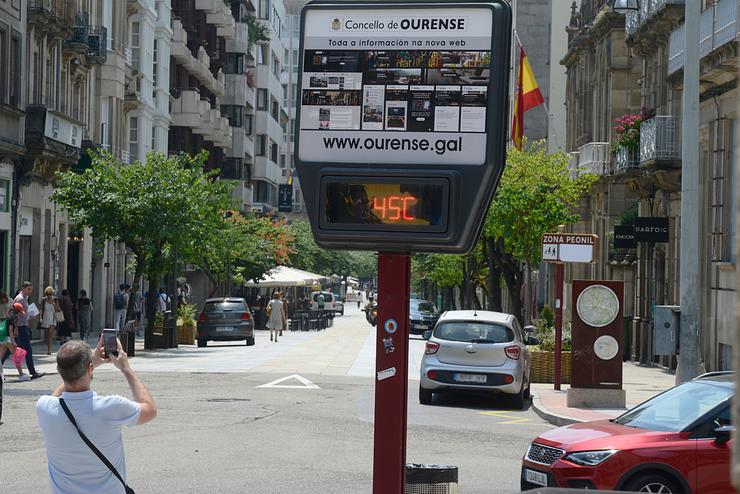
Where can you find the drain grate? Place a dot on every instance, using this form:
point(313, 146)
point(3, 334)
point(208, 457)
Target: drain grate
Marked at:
point(226, 400)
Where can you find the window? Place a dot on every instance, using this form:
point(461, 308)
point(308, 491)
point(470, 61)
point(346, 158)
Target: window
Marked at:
point(264, 9)
point(282, 160)
point(293, 93)
point(292, 130)
point(234, 63)
point(135, 43)
point(275, 111)
point(276, 23)
point(3, 63)
point(285, 95)
point(154, 138)
point(273, 151)
point(296, 26)
point(233, 113)
point(262, 99)
point(470, 332)
point(4, 192)
point(248, 124)
point(733, 176)
point(276, 67)
point(263, 54)
point(154, 66)
point(259, 145)
point(295, 58)
point(15, 71)
point(133, 137)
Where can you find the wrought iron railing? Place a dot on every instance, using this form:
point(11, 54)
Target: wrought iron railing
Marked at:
point(660, 139)
point(634, 20)
point(80, 30)
point(594, 158)
point(626, 160)
point(97, 44)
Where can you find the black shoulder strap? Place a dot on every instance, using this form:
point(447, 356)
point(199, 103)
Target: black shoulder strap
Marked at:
point(92, 447)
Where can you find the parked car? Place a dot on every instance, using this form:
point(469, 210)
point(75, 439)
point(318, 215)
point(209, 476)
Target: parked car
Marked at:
point(478, 351)
point(675, 443)
point(225, 319)
point(329, 300)
point(423, 315)
point(339, 307)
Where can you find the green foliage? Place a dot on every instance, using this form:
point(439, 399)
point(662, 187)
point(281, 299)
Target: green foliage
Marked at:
point(535, 196)
point(186, 315)
point(306, 255)
point(445, 270)
point(258, 31)
point(628, 216)
point(159, 319)
point(546, 334)
point(547, 315)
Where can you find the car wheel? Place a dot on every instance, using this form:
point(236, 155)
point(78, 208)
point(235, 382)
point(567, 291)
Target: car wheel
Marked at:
point(202, 342)
point(250, 340)
point(653, 483)
point(518, 400)
point(527, 393)
point(425, 396)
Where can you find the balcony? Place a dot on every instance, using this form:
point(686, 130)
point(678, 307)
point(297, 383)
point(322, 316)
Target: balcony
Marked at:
point(53, 136)
point(717, 28)
point(186, 109)
point(242, 145)
point(236, 90)
point(626, 161)
point(97, 41)
point(240, 43)
point(200, 66)
point(594, 158)
point(54, 16)
point(218, 14)
point(650, 10)
point(660, 140)
point(78, 41)
point(266, 170)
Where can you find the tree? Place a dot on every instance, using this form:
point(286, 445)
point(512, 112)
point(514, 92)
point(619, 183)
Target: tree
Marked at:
point(154, 207)
point(536, 194)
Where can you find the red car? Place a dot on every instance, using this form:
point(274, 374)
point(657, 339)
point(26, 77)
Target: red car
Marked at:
point(676, 443)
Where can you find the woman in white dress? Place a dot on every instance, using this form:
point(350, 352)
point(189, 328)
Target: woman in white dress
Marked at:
point(48, 323)
point(276, 322)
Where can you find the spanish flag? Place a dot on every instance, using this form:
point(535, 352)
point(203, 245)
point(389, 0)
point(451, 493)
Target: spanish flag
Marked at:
point(528, 96)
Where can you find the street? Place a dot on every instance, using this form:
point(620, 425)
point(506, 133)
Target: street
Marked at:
point(219, 431)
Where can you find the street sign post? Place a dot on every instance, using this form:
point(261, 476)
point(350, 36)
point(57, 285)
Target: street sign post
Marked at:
point(560, 248)
point(400, 142)
point(401, 121)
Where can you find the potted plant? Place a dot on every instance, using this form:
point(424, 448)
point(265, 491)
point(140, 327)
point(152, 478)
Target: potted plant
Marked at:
point(159, 323)
point(543, 356)
point(186, 324)
point(628, 131)
point(258, 32)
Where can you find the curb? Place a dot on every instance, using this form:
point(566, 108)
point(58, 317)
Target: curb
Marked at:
point(547, 415)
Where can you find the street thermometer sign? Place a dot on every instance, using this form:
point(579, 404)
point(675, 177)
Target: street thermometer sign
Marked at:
point(401, 121)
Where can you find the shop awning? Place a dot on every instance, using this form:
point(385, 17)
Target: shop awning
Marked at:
point(284, 276)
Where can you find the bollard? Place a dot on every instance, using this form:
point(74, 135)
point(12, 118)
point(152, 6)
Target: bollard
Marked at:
point(431, 479)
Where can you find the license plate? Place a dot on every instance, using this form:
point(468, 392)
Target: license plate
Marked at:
point(223, 329)
point(471, 378)
point(535, 477)
point(419, 326)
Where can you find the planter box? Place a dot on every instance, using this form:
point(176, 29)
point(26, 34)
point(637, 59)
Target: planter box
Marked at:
point(185, 335)
point(543, 367)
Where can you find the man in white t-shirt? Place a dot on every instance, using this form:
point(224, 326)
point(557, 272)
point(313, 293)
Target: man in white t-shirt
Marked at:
point(73, 467)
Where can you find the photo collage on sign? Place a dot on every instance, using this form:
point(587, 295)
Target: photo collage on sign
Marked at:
point(402, 91)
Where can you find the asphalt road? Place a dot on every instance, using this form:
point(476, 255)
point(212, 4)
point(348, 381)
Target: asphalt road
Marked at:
point(218, 431)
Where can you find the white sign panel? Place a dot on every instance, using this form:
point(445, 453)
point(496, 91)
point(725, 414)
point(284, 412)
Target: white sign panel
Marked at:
point(565, 247)
point(26, 221)
point(395, 86)
point(63, 130)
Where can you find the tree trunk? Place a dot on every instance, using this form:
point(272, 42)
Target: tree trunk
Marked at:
point(449, 295)
point(153, 273)
point(528, 293)
point(494, 279)
point(473, 301)
point(513, 277)
point(136, 286)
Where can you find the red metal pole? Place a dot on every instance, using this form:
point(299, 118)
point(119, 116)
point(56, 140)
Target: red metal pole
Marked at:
point(559, 282)
point(391, 373)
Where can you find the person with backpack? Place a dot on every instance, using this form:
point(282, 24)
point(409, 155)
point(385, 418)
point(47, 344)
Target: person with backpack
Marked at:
point(120, 306)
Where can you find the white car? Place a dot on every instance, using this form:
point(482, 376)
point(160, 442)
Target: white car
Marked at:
point(476, 351)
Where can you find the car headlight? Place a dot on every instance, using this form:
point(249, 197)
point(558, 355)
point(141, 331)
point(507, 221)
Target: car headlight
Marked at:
point(590, 458)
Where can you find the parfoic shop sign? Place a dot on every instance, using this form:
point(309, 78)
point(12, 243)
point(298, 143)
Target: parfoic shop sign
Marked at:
point(401, 120)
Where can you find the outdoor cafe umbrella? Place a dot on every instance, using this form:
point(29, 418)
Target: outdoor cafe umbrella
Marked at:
point(284, 276)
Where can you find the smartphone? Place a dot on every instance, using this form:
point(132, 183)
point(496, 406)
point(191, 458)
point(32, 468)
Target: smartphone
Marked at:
point(110, 343)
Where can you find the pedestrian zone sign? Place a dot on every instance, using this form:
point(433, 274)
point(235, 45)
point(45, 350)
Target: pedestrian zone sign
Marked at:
point(569, 247)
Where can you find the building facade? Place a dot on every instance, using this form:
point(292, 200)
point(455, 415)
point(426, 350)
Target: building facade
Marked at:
point(619, 65)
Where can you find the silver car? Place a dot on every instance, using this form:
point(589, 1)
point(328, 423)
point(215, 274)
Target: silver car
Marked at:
point(225, 319)
point(476, 351)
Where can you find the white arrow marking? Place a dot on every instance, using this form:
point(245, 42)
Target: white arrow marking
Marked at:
point(305, 383)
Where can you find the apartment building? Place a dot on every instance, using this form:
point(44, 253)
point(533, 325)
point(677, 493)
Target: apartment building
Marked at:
point(612, 71)
point(12, 106)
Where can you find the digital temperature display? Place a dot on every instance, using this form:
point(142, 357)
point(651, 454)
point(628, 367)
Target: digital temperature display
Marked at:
point(403, 202)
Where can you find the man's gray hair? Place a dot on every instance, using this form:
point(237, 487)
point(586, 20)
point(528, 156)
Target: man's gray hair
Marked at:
point(72, 360)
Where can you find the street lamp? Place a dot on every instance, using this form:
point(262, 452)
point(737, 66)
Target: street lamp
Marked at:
point(624, 6)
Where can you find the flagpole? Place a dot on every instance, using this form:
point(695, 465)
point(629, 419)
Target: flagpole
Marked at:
point(512, 69)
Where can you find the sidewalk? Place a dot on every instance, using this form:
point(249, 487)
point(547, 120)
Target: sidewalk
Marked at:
point(639, 382)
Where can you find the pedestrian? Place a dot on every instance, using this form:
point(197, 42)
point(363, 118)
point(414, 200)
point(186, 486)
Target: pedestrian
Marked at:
point(84, 314)
point(81, 428)
point(19, 312)
point(321, 301)
point(277, 320)
point(163, 300)
point(359, 299)
point(7, 339)
point(66, 324)
point(120, 305)
point(49, 314)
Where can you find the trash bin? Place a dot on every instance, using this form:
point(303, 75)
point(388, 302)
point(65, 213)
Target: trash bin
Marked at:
point(431, 479)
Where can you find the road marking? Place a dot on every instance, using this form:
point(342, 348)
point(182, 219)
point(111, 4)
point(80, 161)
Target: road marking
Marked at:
point(503, 415)
point(305, 383)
